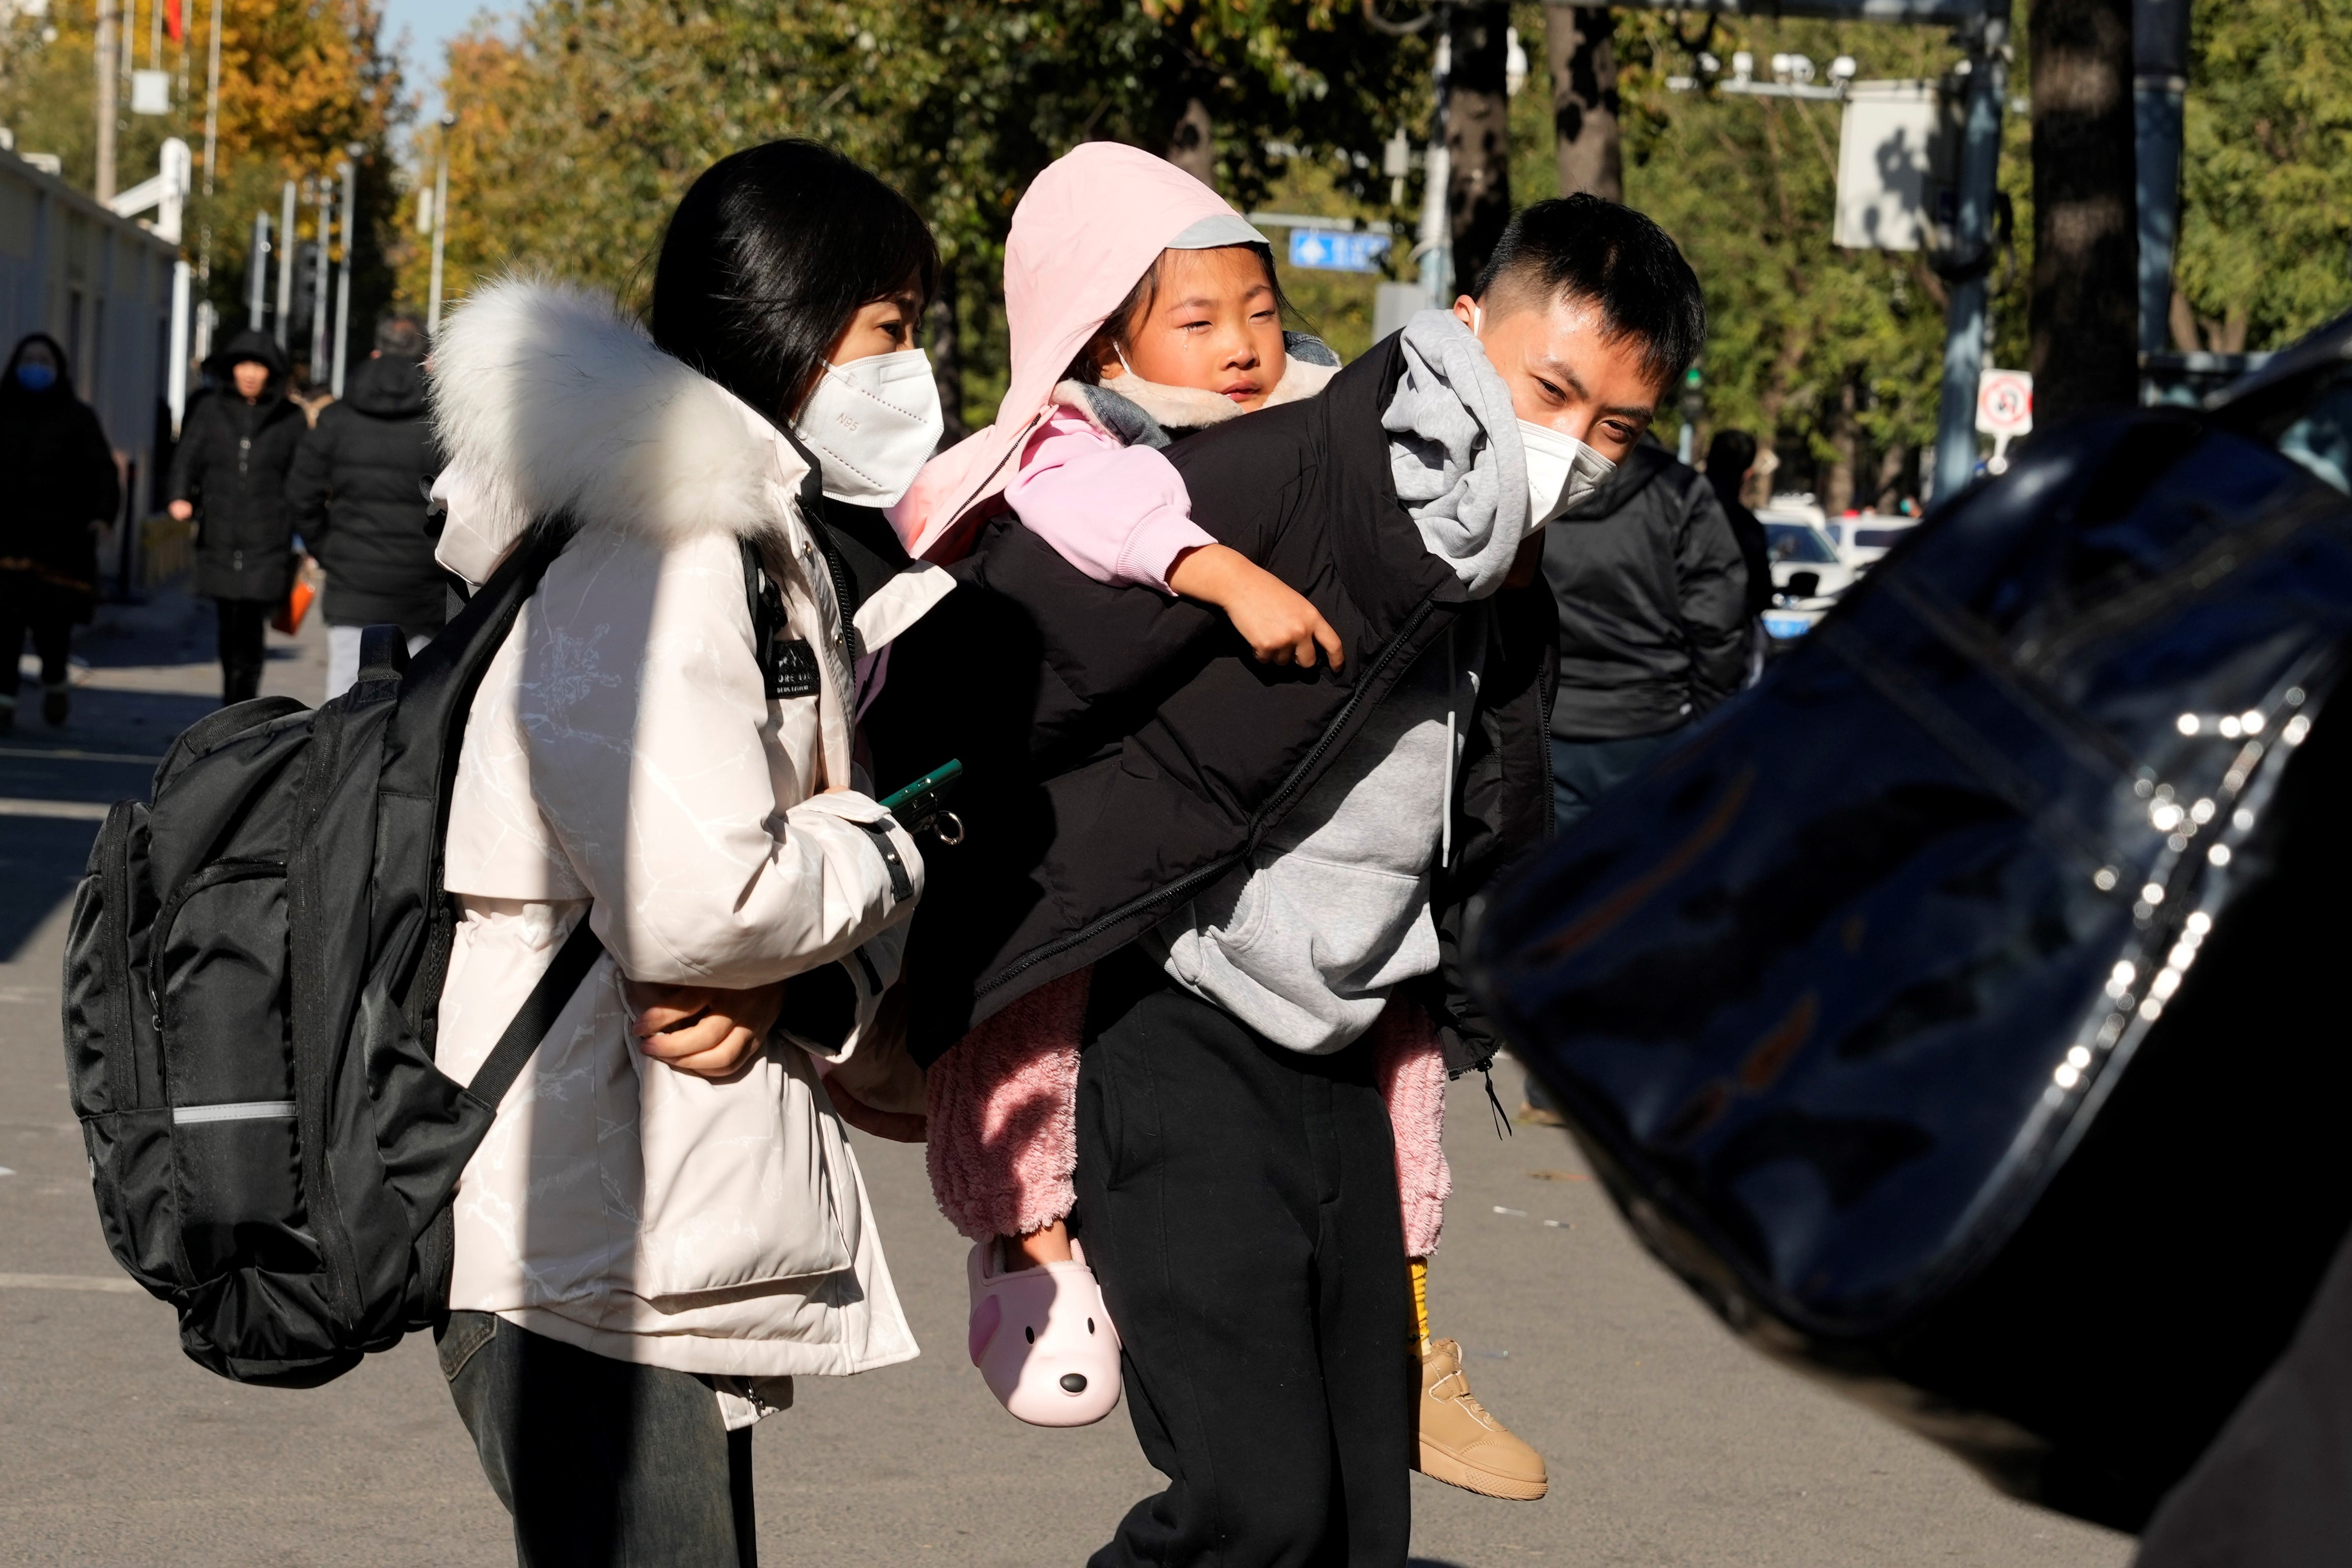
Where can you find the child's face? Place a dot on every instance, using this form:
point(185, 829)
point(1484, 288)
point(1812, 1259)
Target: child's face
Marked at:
point(1213, 324)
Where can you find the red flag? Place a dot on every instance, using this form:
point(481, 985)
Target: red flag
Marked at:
point(173, 25)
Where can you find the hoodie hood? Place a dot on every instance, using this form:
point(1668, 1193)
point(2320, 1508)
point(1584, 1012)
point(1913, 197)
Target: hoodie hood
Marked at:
point(391, 386)
point(60, 388)
point(250, 345)
point(548, 399)
point(1087, 228)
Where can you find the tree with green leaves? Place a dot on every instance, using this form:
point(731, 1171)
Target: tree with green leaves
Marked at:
point(576, 138)
point(2266, 223)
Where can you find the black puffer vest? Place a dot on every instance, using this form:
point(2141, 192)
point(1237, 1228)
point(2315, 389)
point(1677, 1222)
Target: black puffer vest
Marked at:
point(1125, 750)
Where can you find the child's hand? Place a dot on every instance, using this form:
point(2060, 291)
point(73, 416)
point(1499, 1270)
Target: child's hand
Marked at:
point(1276, 621)
point(706, 1030)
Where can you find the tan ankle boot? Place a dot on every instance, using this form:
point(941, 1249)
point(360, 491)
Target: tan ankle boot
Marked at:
point(1461, 1444)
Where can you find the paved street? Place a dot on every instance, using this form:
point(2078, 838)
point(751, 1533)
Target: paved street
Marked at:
point(1670, 1444)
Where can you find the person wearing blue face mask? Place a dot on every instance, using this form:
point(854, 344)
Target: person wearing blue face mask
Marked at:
point(59, 484)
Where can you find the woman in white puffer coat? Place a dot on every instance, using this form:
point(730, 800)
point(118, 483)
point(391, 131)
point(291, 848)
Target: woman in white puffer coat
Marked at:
point(663, 1228)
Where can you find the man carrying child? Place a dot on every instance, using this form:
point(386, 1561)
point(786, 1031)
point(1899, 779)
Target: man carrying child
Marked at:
point(1258, 860)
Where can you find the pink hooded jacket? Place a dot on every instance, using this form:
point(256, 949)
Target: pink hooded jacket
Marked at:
point(1091, 225)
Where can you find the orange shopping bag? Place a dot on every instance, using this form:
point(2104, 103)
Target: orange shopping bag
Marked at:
point(289, 618)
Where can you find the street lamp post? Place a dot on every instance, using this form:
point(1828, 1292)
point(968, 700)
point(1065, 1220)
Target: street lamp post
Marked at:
point(257, 274)
point(440, 226)
point(288, 255)
point(344, 293)
point(320, 295)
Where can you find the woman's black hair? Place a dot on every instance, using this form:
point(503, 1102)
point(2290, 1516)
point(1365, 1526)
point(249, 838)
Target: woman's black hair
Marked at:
point(1118, 326)
point(770, 257)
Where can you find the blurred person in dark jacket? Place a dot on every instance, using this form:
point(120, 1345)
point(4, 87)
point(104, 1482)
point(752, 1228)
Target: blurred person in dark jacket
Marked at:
point(1730, 458)
point(58, 486)
point(235, 447)
point(358, 493)
point(1652, 601)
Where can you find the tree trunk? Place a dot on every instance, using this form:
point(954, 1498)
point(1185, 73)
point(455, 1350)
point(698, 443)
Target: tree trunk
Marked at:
point(1478, 139)
point(947, 355)
point(1837, 491)
point(1583, 52)
point(2085, 306)
point(1190, 145)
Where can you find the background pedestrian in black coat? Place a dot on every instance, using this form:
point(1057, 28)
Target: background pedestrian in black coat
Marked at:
point(358, 494)
point(1652, 601)
point(235, 447)
point(1730, 458)
point(57, 485)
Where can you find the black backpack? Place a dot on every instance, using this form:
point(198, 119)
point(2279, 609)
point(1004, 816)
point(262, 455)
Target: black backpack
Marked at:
point(252, 980)
point(1952, 1011)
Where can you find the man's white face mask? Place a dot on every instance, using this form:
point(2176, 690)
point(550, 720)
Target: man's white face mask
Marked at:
point(873, 423)
point(1561, 472)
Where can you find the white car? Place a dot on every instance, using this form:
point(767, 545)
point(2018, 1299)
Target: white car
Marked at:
point(1808, 573)
point(1869, 537)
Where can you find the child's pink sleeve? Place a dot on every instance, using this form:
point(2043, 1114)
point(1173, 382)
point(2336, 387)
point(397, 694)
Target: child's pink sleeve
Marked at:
point(1119, 514)
point(1001, 1112)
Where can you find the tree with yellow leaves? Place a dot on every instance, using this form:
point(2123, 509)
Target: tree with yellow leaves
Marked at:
point(301, 81)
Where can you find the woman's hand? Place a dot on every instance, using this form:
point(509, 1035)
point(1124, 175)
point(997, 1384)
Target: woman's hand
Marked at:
point(181, 511)
point(708, 1031)
point(1276, 621)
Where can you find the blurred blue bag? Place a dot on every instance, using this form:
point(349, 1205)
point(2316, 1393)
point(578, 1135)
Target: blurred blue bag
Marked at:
point(1955, 1012)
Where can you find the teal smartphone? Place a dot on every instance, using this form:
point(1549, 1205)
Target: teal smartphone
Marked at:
point(917, 805)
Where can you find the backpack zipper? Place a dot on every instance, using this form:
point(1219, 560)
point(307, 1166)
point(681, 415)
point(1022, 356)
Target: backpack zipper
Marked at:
point(1191, 881)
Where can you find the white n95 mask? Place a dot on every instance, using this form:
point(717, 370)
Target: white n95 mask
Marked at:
point(873, 423)
point(1561, 472)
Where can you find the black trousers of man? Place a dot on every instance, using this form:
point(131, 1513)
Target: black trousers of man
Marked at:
point(1238, 1202)
point(242, 622)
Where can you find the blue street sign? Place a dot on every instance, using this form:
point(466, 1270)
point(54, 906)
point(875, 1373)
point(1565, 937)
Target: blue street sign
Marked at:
point(1337, 250)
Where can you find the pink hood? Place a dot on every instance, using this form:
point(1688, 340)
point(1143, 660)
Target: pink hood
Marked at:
point(1090, 225)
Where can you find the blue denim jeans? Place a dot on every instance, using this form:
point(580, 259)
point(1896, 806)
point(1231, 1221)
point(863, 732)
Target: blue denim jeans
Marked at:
point(601, 1463)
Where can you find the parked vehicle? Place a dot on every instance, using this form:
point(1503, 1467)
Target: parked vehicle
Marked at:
point(1872, 536)
point(1808, 573)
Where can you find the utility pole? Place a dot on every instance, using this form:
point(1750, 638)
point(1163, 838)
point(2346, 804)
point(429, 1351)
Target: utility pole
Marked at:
point(440, 226)
point(1967, 312)
point(2159, 82)
point(344, 295)
point(1436, 176)
point(321, 300)
point(110, 44)
point(289, 255)
point(257, 274)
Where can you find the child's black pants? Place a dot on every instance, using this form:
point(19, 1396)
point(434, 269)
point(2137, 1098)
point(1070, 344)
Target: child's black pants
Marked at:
point(1239, 1203)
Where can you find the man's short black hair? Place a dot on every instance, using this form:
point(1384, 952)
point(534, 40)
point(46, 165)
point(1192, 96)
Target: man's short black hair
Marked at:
point(1583, 248)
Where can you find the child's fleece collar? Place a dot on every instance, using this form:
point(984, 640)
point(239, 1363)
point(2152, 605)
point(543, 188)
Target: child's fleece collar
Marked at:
point(1136, 413)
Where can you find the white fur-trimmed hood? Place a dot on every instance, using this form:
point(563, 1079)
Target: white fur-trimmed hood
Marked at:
point(547, 399)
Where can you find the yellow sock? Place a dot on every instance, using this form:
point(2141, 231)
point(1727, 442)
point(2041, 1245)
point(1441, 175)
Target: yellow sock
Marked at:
point(1419, 1268)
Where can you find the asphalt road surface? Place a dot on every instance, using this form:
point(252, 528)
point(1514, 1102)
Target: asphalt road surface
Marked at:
point(1670, 1444)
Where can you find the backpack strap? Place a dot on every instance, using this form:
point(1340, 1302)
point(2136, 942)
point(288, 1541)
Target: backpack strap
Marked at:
point(536, 1016)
